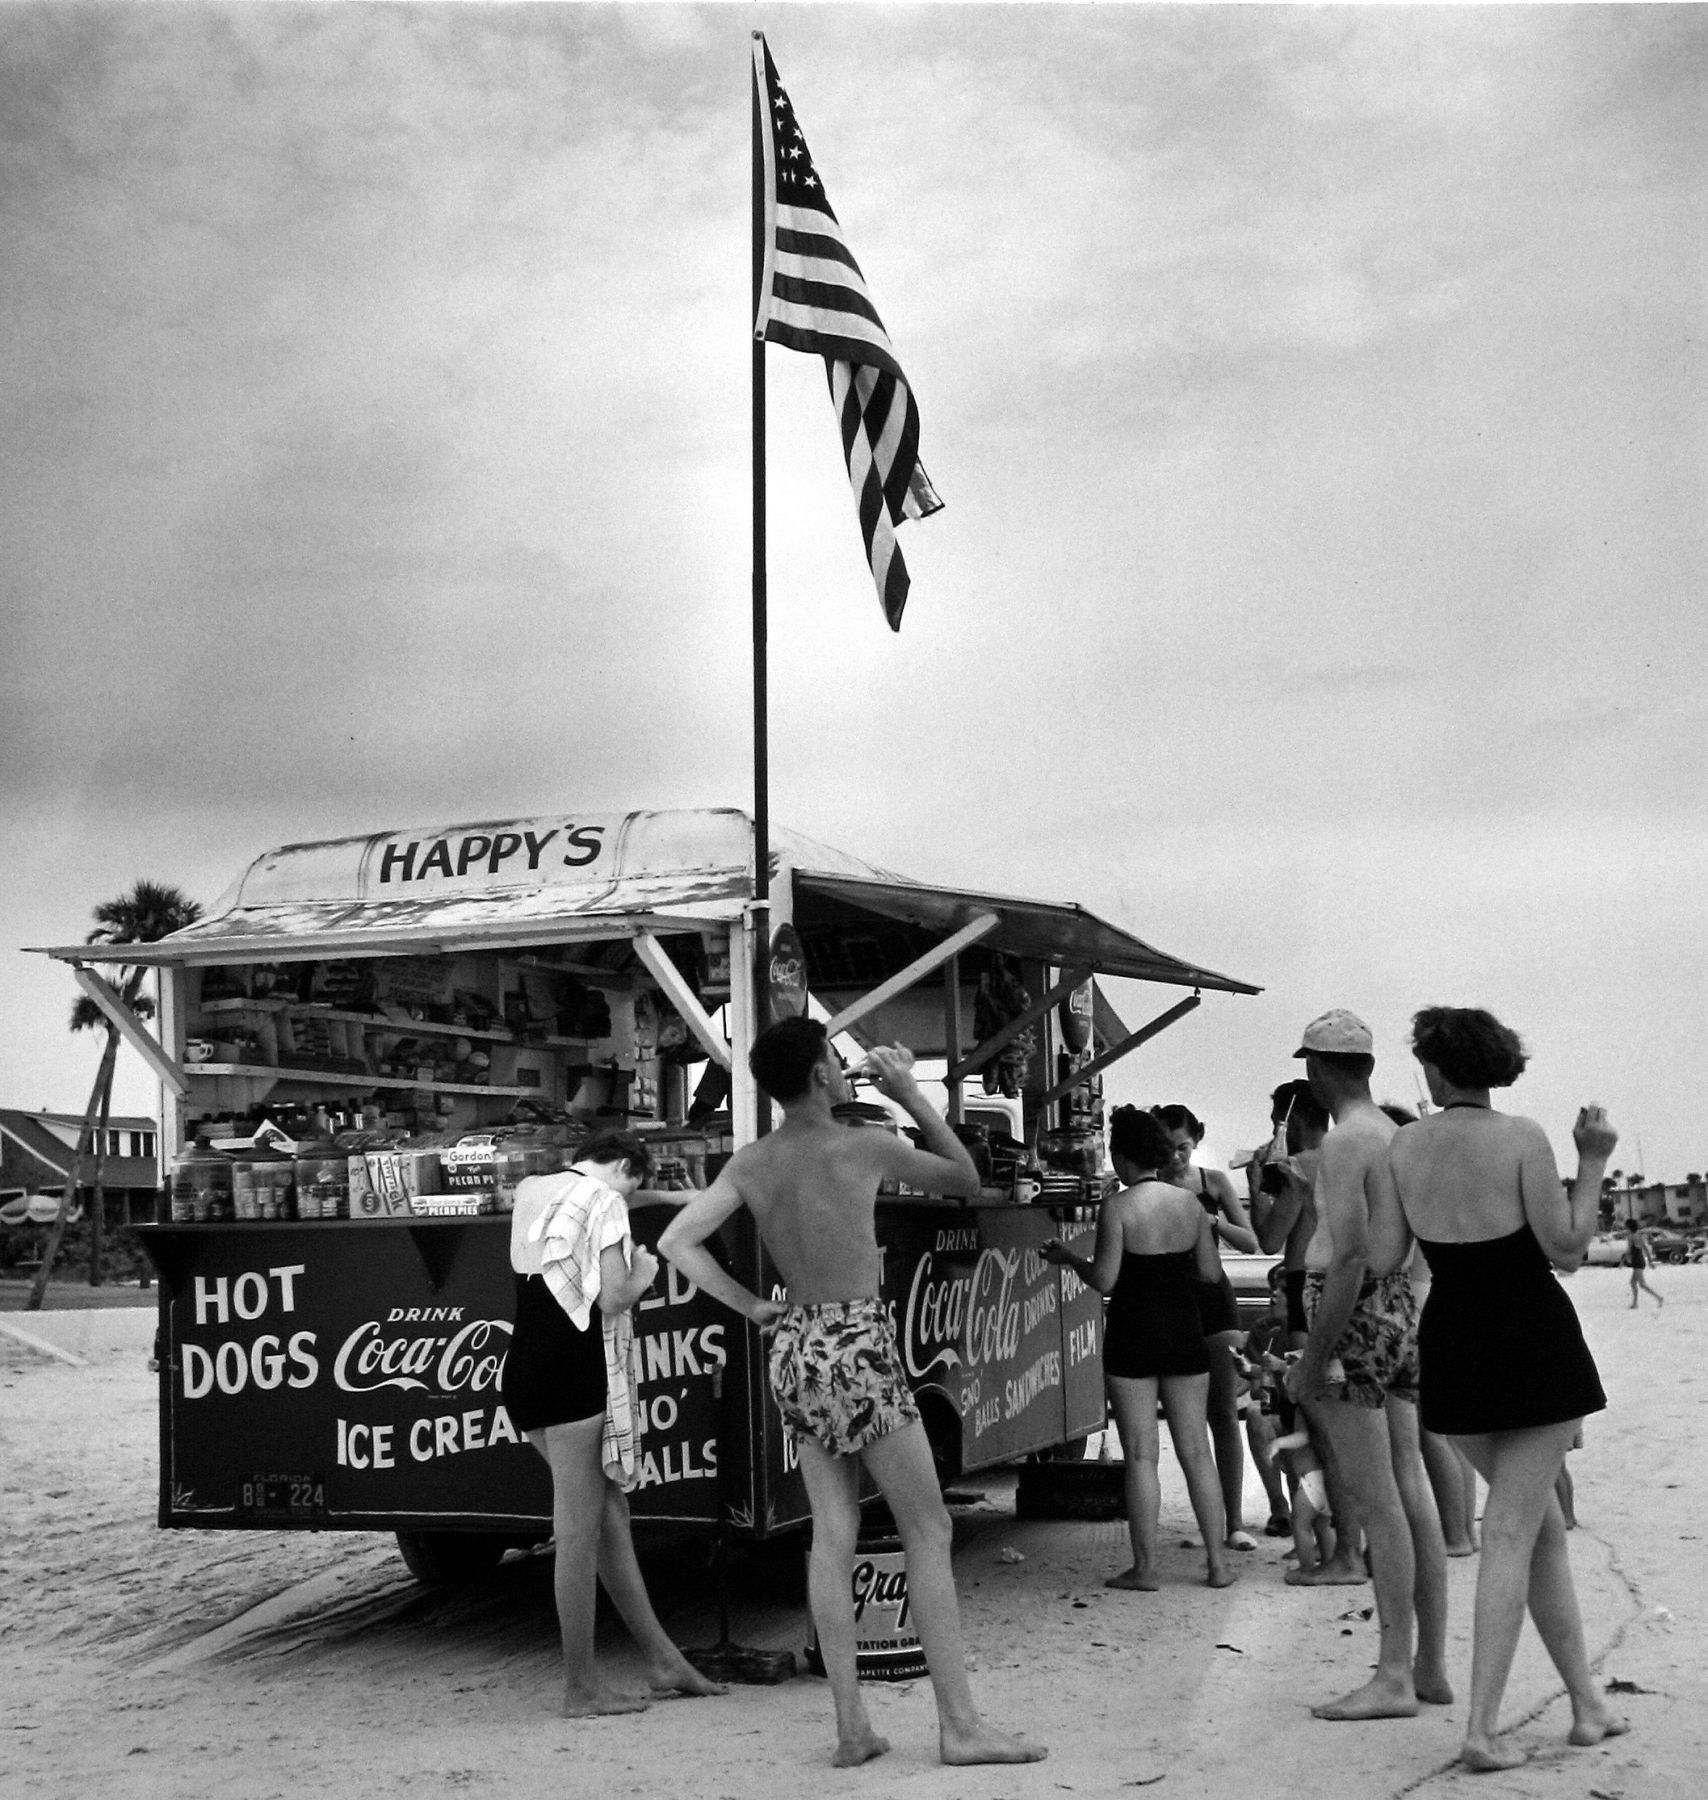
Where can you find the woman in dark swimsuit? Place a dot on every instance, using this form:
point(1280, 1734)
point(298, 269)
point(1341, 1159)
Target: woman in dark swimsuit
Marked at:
point(1153, 1245)
point(1637, 1254)
point(1218, 1309)
point(576, 1266)
point(1506, 1373)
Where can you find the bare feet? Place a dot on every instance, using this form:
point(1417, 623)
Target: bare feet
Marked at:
point(1467, 1548)
point(681, 1677)
point(1431, 1686)
point(1591, 1727)
point(1379, 1698)
point(850, 1752)
point(1220, 1577)
point(593, 1702)
point(1486, 1756)
point(982, 1743)
point(1135, 1581)
point(1335, 1573)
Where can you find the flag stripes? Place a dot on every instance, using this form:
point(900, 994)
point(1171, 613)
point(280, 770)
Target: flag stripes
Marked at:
point(813, 298)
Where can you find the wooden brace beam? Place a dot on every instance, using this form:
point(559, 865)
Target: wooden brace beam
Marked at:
point(682, 997)
point(1116, 1051)
point(976, 1059)
point(916, 971)
point(129, 1027)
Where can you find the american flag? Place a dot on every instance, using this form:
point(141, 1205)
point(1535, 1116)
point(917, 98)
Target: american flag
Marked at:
point(813, 298)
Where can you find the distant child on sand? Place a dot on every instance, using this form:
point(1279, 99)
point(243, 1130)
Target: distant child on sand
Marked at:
point(812, 1187)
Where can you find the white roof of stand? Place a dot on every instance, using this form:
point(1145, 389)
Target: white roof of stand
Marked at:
point(515, 882)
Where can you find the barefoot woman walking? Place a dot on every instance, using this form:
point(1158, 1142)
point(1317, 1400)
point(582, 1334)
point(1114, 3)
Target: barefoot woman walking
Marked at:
point(1506, 1373)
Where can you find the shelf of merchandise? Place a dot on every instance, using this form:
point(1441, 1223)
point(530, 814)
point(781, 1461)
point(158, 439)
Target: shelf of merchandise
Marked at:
point(342, 1078)
point(389, 1027)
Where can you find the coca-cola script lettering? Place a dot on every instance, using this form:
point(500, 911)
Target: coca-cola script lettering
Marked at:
point(468, 1361)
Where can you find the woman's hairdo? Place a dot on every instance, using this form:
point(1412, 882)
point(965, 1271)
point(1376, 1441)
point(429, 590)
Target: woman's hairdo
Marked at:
point(1138, 1137)
point(1181, 1118)
point(1470, 1047)
point(784, 1056)
point(611, 1146)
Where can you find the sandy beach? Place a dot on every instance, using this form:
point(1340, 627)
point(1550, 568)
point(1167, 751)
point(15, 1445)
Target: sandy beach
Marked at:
point(139, 1662)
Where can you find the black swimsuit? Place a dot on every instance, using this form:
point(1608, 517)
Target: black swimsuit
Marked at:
point(1218, 1305)
point(1152, 1323)
point(553, 1372)
point(1500, 1344)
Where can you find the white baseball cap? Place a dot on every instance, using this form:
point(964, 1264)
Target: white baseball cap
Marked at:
point(1337, 1033)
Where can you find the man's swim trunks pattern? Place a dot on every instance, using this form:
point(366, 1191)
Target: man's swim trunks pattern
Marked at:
point(836, 1375)
point(1378, 1349)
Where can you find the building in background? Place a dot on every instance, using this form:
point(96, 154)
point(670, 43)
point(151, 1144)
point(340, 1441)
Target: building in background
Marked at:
point(37, 1150)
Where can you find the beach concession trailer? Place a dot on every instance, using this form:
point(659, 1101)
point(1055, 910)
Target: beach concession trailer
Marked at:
point(367, 1041)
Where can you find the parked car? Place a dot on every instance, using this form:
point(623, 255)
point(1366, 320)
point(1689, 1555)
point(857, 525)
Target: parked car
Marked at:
point(1669, 1246)
point(1606, 1250)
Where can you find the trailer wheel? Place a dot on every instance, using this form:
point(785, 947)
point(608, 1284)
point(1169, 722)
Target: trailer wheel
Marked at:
point(450, 1558)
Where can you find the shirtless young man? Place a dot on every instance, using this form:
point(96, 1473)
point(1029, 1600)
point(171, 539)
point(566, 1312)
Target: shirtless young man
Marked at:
point(1284, 1215)
point(1365, 1318)
point(812, 1186)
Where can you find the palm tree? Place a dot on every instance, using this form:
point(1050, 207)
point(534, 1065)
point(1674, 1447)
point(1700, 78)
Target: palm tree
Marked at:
point(150, 911)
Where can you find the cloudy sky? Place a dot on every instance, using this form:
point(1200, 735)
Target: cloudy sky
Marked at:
point(1317, 397)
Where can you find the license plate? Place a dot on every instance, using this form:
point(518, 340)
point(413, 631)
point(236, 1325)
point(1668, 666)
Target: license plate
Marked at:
point(282, 1496)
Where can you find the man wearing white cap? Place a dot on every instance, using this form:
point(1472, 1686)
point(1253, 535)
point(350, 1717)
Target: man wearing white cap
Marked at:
point(1357, 1376)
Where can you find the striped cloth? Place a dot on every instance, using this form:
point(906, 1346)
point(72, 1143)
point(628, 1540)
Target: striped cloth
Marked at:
point(813, 298)
point(572, 1233)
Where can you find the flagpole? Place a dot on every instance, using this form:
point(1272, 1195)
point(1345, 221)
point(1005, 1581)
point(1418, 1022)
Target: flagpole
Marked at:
point(761, 769)
point(761, 725)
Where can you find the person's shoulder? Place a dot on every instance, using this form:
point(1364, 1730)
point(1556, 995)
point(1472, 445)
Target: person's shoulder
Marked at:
point(1528, 1131)
point(1176, 1202)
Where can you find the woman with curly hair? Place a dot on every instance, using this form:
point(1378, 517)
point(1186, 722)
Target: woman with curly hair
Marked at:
point(1506, 1375)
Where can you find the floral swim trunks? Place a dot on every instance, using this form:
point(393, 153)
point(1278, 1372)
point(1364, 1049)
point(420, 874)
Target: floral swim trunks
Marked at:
point(1377, 1351)
point(836, 1376)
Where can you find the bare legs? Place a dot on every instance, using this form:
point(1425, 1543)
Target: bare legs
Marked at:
point(1524, 1562)
point(1454, 1483)
point(1344, 1565)
point(1258, 1433)
point(1134, 1403)
point(1222, 1412)
point(1183, 1400)
point(578, 1523)
point(1429, 1552)
point(1640, 1284)
point(668, 1670)
point(1360, 1440)
point(902, 1467)
point(590, 1529)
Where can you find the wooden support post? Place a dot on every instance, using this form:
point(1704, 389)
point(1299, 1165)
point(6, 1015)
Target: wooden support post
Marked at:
point(952, 1038)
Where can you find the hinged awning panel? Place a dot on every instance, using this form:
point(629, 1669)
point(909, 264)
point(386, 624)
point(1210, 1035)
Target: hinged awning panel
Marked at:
point(1059, 933)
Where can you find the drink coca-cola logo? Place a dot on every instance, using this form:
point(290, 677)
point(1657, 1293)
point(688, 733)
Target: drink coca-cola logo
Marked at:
point(962, 1319)
point(467, 1361)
